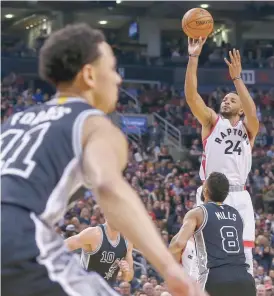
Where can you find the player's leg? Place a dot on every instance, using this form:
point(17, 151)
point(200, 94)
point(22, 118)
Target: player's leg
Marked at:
point(249, 231)
point(191, 266)
point(189, 261)
point(35, 261)
point(241, 201)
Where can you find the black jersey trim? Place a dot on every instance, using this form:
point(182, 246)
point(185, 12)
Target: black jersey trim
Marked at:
point(77, 129)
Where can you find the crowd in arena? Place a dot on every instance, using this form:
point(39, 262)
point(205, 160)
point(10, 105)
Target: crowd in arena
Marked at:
point(255, 54)
point(167, 187)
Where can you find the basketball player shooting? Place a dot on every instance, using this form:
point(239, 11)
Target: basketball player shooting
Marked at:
point(51, 150)
point(228, 138)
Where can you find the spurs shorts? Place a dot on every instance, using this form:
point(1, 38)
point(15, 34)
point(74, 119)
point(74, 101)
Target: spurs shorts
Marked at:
point(241, 201)
point(189, 261)
point(230, 281)
point(35, 261)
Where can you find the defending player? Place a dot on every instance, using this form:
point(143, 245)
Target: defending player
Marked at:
point(105, 251)
point(48, 152)
point(218, 235)
point(228, 138)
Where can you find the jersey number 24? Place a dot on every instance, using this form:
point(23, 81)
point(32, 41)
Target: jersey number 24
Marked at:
point(231, 147)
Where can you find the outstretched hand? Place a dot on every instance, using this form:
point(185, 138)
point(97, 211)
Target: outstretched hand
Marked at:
point(234, 66)
point(195, 45)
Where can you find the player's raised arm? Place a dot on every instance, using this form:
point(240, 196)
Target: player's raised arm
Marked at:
point(190, 225)
point(85, 237)
point(104, 158)
point(249, 108)
point(205, 115)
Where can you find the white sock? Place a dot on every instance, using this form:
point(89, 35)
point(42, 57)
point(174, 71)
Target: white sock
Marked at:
point(249, 259)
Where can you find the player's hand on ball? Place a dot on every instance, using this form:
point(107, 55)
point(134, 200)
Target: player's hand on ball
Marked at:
point(234, 66)
point(195, 45)
point(124, 267)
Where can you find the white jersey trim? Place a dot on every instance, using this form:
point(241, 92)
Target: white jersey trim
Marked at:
point(77, 130)
point(63, 266)
point(204, 220)
point(114, 245)
point(99, 245)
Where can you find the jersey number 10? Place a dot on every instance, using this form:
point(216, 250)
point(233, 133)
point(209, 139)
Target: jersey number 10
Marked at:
point(18, 148)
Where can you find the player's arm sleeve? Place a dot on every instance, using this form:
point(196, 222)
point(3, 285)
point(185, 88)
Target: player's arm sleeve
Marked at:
point(251, 120)
point(179, 241)
point(105, 155)
point(206, 116)
point(80, 240)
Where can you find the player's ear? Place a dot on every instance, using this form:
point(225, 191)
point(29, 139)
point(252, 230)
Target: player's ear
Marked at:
point(204, 192)
point(241, 112)
point(88, 75)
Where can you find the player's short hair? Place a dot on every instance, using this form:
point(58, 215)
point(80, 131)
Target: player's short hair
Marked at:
point(234, 92)
point(217, 186)
point(66, 51)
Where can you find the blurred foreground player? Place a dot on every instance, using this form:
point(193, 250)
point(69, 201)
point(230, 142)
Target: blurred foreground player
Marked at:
point(218, 234)
point(228, 138)
point(105, 251)
point(48, 152)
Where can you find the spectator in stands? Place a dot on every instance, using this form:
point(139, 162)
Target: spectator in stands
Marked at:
point(148, 289)
point(168, 188)
point(261, 291)
point(38, 96)
point(164, 155)
point(125, 289)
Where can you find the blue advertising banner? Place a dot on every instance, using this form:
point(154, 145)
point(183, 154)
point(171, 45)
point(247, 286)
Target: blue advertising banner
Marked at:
point(137, 125)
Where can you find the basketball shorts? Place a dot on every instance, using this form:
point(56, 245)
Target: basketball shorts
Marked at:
point(230, 282)
point(189, 260)
point(241, 201)
point(35, 261)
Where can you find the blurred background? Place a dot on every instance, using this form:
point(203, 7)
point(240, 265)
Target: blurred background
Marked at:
point(165, 143)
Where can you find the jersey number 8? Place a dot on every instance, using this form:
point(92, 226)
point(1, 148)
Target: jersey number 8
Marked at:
point(230, 240)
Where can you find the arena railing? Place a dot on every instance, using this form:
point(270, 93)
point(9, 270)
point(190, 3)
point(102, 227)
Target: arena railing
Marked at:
point(172, 135)
point(133, 98)
point(116, 119)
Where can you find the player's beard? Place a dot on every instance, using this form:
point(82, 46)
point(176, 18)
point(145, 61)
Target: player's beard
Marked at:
point(229, 114)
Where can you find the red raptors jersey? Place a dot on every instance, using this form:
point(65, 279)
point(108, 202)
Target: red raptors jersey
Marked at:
point(227, 150)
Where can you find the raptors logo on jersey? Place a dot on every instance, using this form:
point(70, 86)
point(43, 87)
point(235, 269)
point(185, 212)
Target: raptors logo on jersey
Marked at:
point(227, 150)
